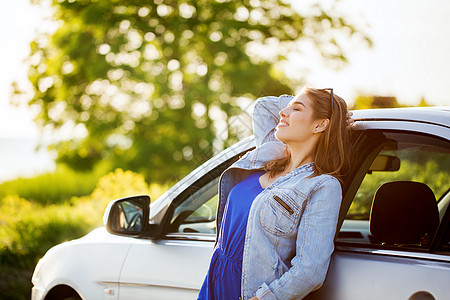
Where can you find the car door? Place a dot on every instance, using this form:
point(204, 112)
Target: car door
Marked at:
point(174, 265)
point(365, 267)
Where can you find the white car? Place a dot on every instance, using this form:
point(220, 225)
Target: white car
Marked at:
point(393, 237)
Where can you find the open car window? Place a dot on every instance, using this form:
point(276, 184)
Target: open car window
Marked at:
point(197, 214)
point(192, 215)
point(409, 181)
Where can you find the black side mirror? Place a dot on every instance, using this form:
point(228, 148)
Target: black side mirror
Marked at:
point(128, 216)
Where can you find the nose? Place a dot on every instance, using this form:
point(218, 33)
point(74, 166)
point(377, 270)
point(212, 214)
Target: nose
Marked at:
point(284, 112)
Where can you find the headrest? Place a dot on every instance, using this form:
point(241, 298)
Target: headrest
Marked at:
point(404, 212)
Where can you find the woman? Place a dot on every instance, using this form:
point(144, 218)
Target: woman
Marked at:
point(279, 204)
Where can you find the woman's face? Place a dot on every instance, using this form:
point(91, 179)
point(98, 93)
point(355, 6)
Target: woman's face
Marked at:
point(296, 124)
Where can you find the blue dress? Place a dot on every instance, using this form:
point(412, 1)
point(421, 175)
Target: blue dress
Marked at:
point(223, 280)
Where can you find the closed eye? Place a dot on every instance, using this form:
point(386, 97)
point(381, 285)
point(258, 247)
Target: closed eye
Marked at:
point(297, 105)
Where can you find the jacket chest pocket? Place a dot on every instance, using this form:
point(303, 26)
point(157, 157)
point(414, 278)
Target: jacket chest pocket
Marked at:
point(280, 214)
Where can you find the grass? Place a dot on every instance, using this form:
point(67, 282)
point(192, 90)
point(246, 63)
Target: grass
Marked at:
point(55, 187)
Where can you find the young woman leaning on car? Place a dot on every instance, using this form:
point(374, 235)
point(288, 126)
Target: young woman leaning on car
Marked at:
point(279, 203)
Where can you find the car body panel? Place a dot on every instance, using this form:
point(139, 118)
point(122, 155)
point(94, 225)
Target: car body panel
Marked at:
point(166, 281)
point(71, 264)
point(355, 275)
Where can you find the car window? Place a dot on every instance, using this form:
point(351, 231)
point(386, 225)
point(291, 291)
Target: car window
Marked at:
point(197, 214)
point(192, 215)
point(404, 162)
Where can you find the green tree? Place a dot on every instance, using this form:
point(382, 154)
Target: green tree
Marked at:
point(149, 81)
point(367, 102)
point(423, 102)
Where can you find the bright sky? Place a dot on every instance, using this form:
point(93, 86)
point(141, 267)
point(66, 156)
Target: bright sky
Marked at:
point(410, 57)
point(19, 21)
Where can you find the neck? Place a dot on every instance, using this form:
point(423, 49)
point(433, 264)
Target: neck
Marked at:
point(301, 154)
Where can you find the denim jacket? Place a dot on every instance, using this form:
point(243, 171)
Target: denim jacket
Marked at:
point(291, 224)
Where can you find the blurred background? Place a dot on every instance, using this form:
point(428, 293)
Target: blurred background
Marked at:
point(106, 99)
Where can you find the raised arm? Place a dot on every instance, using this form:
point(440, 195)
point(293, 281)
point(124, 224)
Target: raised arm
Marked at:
point(314, 246)
point(266, 116)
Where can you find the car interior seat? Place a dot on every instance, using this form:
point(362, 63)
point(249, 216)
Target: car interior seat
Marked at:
point(404, 212)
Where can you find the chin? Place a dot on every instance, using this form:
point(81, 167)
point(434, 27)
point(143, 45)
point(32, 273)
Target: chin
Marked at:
point(279, 137)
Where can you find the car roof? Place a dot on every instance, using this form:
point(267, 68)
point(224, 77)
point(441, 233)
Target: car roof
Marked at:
point(430, 115)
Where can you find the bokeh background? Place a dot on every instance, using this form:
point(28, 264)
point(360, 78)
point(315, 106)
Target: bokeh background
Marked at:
point(106, 99)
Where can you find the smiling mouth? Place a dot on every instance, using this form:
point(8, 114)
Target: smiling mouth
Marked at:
point(283, 123)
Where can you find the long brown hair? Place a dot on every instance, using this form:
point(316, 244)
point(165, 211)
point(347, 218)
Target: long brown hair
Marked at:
point(332, 152)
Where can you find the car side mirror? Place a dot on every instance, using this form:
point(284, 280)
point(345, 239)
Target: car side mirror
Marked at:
point(127, 216)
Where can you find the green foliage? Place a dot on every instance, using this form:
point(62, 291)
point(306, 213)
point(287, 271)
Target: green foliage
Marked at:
point(367, 102)
point(150, 81)
point(117, 184)
point(28, 229)
point(423, 103)
point(429, 169)
point(55, 187)
point(15, 284)
point(370, 101)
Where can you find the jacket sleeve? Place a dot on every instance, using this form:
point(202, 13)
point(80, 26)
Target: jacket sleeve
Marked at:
point(266, 116)
point(314, 246)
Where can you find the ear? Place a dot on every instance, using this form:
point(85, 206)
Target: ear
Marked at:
point(321, 125)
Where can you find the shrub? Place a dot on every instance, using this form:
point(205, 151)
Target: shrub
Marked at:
point(29, 229)
point(118, 184)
